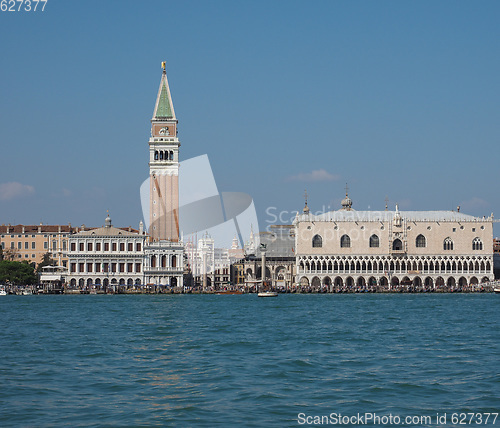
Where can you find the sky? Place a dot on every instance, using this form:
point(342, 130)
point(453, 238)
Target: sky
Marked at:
point(400, 100)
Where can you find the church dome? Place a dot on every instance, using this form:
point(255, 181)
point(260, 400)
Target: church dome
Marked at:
point(346, 203)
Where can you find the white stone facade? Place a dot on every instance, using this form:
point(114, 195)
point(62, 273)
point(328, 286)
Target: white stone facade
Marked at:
point(164, 263)
point(349, 249)
point(106, 256)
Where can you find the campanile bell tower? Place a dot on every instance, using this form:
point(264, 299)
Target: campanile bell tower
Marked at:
point(164, 167)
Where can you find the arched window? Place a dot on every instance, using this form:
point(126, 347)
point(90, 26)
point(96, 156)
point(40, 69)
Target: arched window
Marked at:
point(171, 155)
point(317, 241)
point(448, 244)
point(153, 261)
point(174, 261)
point(477, 244)
point(397, 245)
point(420, 242)
point(156, 154)
point(161, 154)
point(345, 241)
point(374, 241)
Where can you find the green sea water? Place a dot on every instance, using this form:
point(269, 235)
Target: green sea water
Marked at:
point(237, 360)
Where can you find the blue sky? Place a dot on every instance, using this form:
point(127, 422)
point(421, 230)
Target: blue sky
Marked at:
point(398, 99)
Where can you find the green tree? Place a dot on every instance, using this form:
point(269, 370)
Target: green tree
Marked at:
point(19, 273)
point(46, 261)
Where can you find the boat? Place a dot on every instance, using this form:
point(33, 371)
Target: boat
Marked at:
point(3, 292)
point(267, 294)
point(229, 292)
point(497, 290)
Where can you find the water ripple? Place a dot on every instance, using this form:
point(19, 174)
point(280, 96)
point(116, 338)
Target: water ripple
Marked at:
point(211, 361)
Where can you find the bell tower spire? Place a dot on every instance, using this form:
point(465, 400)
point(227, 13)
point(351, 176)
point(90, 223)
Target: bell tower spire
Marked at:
point(164, 167)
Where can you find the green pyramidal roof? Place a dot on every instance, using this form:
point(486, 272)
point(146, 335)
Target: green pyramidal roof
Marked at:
point(164, 109)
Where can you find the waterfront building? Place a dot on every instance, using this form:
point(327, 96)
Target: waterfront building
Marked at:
point(211, 266)
point(106, 256)
point(280, 258)
point(164, 261)
point(496, 257)
point(348, 249)
point(31, 242)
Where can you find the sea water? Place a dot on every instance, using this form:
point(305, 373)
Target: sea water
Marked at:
point(240, 360)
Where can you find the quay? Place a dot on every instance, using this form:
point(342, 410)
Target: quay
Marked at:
point(157, 289)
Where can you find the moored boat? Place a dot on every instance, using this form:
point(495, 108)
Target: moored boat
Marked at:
point(267, 294)
point(229, 292)
point(497, 290)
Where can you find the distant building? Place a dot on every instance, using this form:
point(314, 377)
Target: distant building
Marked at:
point(280, 258)
point(348, 249)
point(496, 257)
point(106, 256)
point(211, 266)
point(31, 242)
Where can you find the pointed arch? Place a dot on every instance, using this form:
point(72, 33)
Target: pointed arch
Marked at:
point(477, 244)
point(374, 241)
point(420, 242)
point(317, 241)
point(448, 244)
point(397, 245)
point(345, 241)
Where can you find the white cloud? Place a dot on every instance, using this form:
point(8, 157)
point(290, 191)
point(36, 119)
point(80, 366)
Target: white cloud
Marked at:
point(316, 175)
point(15, 190)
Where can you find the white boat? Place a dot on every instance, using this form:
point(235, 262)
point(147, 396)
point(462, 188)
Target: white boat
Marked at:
point(267, 294)
point(27, 292)
point(497, 290)
point(3, 292)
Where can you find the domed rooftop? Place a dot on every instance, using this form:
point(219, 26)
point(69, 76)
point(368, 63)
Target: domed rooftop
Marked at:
point(346, 202)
